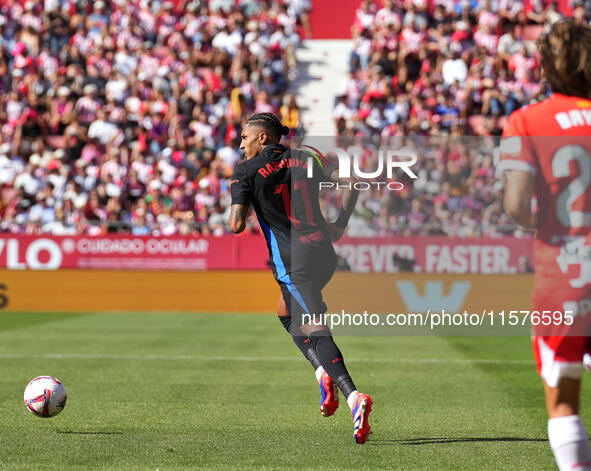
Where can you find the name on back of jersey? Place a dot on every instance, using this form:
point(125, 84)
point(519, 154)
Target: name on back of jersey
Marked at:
point(273, 167)
point(573, 118)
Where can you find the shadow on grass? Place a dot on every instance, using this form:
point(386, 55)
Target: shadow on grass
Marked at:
point(436, 441)
point(77, 432)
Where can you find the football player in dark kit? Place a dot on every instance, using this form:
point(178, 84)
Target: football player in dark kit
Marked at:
point(275, 180)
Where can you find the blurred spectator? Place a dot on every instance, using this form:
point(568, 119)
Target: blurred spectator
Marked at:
point(290, 115)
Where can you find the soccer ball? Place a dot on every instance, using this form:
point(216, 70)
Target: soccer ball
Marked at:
point(45, 396)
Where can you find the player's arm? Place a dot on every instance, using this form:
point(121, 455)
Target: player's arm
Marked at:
point(241, 198)
point(238, 213)
point(519, 187)
point(337, 229)
point(518, 164)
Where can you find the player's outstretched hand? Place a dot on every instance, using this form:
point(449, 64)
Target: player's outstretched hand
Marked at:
point(334, 232)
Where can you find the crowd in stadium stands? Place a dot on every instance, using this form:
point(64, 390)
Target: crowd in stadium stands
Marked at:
point(124, 115)
point(455, 192)
point(442, 68)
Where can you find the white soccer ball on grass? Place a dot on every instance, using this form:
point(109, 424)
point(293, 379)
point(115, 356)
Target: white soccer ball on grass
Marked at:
point(45, 396)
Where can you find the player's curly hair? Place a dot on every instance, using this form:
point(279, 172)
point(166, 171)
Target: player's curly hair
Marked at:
point(566, 58)
point(270, 123)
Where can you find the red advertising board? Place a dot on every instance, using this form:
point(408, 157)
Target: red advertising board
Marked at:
point(437, 255)
point(126, 252)
point(363, 255)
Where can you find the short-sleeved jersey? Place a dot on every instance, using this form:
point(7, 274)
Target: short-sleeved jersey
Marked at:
point(552, 140)
point(284, 197)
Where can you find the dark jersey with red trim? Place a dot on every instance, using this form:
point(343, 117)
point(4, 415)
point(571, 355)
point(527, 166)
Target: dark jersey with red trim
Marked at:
point(284, 198)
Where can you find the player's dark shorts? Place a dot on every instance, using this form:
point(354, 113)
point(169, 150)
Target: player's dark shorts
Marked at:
point(312, 266)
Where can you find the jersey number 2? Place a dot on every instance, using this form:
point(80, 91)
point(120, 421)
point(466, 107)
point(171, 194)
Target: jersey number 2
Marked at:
point(576, 188)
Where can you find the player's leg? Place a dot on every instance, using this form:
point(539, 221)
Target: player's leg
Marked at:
point(559, 363)
point(301, 342)
point(563, 400)
point(329, 396)
point(566, 431)
point(309, 300)
point(333, 362)
point(282, 307)
point(313, 265)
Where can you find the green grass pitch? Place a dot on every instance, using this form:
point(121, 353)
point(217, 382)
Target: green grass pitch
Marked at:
point(203, 391)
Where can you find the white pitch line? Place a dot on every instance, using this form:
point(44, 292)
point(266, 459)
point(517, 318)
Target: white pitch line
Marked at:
point(83, 356)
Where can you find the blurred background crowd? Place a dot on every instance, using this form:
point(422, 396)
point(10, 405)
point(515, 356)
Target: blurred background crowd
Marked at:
point(123, 116)
point(455, 193)
point(440, 70)
point(441, 67)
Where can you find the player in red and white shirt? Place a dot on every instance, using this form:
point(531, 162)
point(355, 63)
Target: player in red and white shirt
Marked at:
point(546, 150)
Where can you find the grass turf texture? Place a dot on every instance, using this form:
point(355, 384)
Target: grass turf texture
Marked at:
point(183, 391)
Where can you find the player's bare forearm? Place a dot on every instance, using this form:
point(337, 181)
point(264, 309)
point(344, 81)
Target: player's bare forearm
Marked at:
point(519, 186)
point(349, 201)
point(238, 213)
